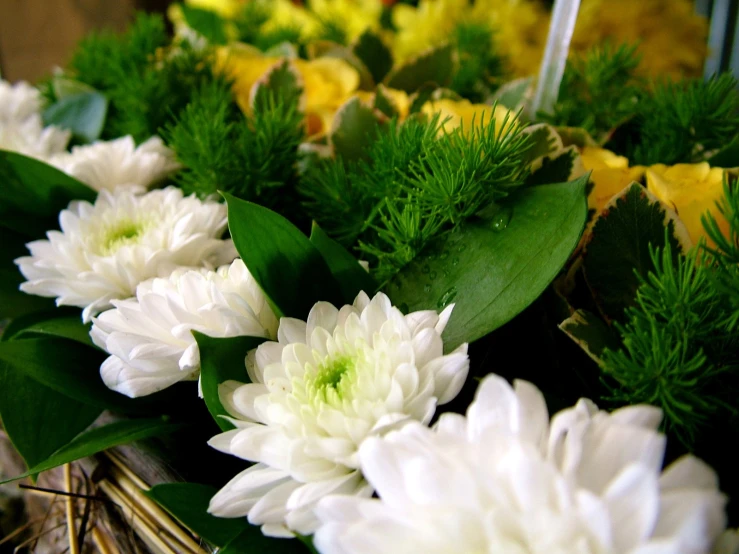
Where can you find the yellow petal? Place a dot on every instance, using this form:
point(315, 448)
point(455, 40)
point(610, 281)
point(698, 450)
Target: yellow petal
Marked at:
point(600, 158)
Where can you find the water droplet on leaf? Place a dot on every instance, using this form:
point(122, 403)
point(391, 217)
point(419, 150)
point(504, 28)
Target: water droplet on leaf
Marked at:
point(447, 298)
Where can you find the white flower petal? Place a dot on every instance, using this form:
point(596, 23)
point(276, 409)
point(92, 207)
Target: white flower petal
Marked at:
point(329, 385)
point(505, 479)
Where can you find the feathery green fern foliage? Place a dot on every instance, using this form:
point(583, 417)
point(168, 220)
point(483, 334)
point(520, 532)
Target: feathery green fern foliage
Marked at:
point(413, 185)
point(599, 90)
point(253, 158)
point(680, 345)
point(146, 83)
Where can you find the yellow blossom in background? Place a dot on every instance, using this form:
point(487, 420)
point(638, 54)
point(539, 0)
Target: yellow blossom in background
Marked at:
point(671, 36)
point(429, 24)
point(285, 14)
point(466, 114)
point(519, 28)
point(610, 175)
point(520, 32)
point(692, 190)
point(225, 8)
point(353, 16)
point(327, 82)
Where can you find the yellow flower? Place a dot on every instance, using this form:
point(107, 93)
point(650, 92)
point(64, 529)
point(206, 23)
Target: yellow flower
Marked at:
point(427, 25)
point(610, 175)
point(519, 28)
point(285, 14)
point(692, 190)
point(671, 36)
point(327, 82)
point(464, 113)
point(353, 16)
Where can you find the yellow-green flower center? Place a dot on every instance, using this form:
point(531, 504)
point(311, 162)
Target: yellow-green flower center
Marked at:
point(119, 234)
point(331, 374)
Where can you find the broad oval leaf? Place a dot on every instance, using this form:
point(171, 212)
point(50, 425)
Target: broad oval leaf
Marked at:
point(67, 367)
point(205, 22)
point(352, 277)
point(617, 253)
point(83, 113)
point(59, 323)
point(375, 55)
point(252, 541)
point(290, 270)
point(222, 359)
point(37, 419)
point(353, 127)
point(436, 65)
point(33, 188)
point(101, 438)
point(494, 269)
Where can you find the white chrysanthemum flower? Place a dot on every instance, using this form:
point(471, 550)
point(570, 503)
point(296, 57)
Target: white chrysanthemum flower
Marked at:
point(21, 126)
point(105, 250)
point(506, 480)
point(150, 336)
point(317, 394)
point(18, 102)
point(106, 165)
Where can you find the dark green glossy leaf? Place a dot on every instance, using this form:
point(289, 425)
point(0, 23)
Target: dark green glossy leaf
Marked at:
point(374, 54)
point(101, 438)
point(591, 333)
point(557, 168)
point(353, 126)
point(188, 502)
point(252, 541)
point(494, 269)
point(50, 324)
point(222, 359)
point(205, 22)
point(290, 270)
point(281, 83)
point(436, 65)
point(33, 194)
point(351, 276)
point(617, 252)
point(13, 302)
point(37, 419)
point(65, 366)
point(82, 113)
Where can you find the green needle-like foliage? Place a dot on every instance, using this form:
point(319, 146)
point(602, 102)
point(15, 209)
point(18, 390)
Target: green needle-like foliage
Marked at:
point(725, 254)
point(683, 122)
point(480, 68)
point(679, 345)
point(146, 83)
point(252, 158)
point(413, 185)
point(599, 90)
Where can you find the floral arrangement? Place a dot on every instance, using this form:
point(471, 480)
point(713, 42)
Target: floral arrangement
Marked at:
point(331, 257)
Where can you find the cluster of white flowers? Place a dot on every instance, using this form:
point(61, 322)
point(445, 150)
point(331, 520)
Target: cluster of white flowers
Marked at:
point(107, 165)
point(506, 479)
point(317, 394)
point(150, 336)
point(104, 250)
point(21, 125)
point(338, 407)
point(103, 165)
